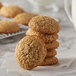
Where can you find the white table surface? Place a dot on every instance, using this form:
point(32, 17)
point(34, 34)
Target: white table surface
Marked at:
point(67, 35)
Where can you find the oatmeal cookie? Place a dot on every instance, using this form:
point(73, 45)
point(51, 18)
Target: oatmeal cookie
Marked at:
point(30, 52)
point(50, 61)
point(52, 45)
point(10, 11)
point(46, 38)
point(24, 18)
point(8, 27)
point(44, 24)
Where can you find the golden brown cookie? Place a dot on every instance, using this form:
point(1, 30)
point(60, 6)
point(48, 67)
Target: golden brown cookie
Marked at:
point(24, 18)
point(52, 45)
point(1, 5)
point(50, 61)
point(51, 53)
point(44, 24)
point(46, 38)
point(8, 27)
point(30, 52)
point(10, 11)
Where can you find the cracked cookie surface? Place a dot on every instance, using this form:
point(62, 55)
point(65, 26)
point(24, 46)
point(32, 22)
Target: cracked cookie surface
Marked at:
point(44, 24)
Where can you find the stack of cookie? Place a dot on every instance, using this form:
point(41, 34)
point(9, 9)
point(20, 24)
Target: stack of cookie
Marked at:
point(46, 28)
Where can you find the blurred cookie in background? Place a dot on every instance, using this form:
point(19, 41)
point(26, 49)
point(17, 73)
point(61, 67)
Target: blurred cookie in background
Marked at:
point(11, 11)
point(8, 27)
point(24, 18)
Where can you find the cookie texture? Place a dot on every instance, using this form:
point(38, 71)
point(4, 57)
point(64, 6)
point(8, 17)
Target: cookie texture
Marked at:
point(10, 11)
point(51, 53)
point(50, 61)
point(8, 27)
point(52, 45)
point(1, 5)
point(24, 18)
point(46, 38)
point(44, 24)
point(30, 52)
